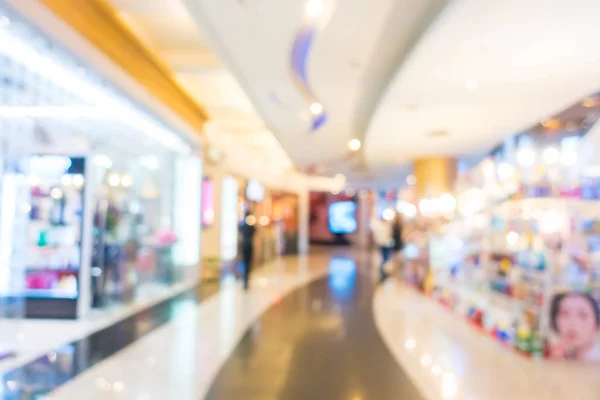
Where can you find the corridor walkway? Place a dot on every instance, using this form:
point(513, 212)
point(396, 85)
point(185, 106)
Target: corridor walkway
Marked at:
point(315, 327)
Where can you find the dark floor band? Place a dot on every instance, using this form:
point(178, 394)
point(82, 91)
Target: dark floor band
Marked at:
point(41, 376)
point(319, 342)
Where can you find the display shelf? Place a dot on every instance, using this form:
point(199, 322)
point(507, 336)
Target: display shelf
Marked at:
point(40, 293)
point(534, 249)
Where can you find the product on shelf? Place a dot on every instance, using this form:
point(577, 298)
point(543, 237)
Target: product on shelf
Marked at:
point(54, 226)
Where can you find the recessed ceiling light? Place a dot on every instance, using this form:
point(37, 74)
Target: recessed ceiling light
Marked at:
point(571, 126)
point(314, 7)
point(472, 84)
point(552, 123)
point(525, 157)
point(551, 155)
point(316, 108)
point(411, 180)
point(354, 144)
point(589, 102)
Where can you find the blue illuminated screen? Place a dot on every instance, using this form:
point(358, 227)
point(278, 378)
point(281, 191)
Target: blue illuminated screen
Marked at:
point(342, 217)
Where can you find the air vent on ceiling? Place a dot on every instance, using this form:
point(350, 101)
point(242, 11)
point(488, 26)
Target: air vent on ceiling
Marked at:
point(436, 133)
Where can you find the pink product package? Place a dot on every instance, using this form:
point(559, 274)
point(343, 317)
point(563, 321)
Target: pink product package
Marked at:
point(42, 280)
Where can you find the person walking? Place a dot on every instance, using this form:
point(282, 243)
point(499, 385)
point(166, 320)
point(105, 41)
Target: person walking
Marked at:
point(382, 236)
point(248, 229)
point(398, 239)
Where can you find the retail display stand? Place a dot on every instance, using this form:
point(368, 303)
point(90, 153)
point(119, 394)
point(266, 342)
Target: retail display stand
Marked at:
point(55, 229)
point(527, 255)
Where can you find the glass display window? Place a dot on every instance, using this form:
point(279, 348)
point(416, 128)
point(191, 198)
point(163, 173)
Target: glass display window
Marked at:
point(55, 224)
point(87, 183)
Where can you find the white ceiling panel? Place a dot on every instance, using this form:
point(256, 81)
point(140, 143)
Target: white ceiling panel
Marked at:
point(485, 70)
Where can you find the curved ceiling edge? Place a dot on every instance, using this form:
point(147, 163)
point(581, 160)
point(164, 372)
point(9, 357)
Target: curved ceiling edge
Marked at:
point(383, 73)
point(299, 56)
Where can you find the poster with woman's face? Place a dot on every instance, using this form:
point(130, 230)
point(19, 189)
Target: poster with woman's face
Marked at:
point(575, 322)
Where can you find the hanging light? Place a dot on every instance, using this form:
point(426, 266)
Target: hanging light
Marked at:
point(316, 108)
point(354, 145)
point(525, 157)
point(314, 8)
point(551, 155)
point(505, 170)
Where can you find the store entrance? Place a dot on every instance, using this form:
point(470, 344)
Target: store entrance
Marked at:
point(132, 238)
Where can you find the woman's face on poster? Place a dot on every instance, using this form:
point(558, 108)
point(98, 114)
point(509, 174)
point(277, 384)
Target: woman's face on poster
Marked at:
point(576, 322)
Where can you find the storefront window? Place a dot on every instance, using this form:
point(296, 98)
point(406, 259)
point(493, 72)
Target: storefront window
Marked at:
point(87, 183)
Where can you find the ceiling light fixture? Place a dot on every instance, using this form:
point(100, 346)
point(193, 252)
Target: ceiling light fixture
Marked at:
point(126, 180)
point(551, 155)
point(552, 124)
point(472, 84)
point(113, 179)
point(589, 102)
point(411, 180)
point(571, 126)
point(505, 170)
point(316, 108)
point(354, 145)
point(526, 157)
point(314, 8)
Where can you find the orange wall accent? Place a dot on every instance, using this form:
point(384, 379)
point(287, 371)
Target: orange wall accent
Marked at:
point(98, 22)
point(435, 176)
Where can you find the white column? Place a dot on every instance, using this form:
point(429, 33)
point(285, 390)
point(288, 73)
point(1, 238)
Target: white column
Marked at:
point(84, 300)
point(211, 236)
point(303, 221)
point(363, 212)
point(229, 218)
point(186, 201)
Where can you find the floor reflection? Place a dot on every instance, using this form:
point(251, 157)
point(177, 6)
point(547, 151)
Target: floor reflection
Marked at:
point(41, 376)
point(319, 342)
point(342, 277)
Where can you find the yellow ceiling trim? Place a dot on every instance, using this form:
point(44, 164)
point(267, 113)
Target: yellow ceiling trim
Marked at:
point(99, 23)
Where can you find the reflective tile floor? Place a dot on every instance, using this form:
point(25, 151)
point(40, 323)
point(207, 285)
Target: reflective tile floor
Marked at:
point(179, 360)
point(31, 338)
point(37, 378)
point(315, 327)
point(448, 359)
point(319, 342)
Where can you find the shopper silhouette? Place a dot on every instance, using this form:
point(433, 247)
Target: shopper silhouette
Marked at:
point(382, 236)
point(247, 230)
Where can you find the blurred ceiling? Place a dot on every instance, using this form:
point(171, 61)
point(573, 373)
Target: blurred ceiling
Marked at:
point(409, 79)
point(485, 70)
point(287, 55)
point(168, 29)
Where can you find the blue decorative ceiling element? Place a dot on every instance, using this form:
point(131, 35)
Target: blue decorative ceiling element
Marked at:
point(299, 65)
point(300, 52)
point(318, 121)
